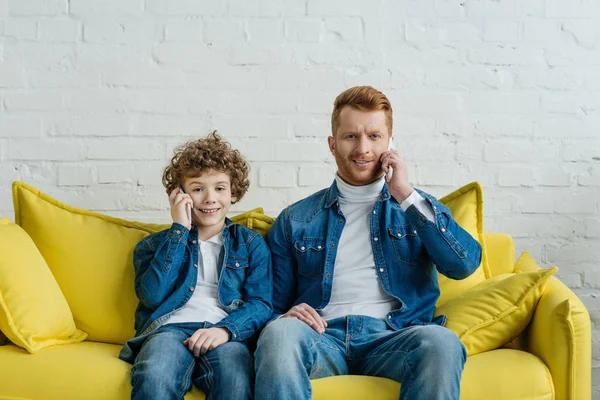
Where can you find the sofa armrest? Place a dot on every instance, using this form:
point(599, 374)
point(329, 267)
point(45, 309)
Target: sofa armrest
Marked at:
point(560, 334)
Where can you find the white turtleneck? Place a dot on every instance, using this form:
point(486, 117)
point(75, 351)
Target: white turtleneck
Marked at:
point(355, 286)
point(356, 289)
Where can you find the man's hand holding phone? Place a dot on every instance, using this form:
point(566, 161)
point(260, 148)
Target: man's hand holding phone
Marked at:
point(181, 207)
point(396, 173)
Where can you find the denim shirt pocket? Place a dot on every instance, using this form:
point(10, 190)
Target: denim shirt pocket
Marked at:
point(408, 247)
point(310, 254)
point(235, 272)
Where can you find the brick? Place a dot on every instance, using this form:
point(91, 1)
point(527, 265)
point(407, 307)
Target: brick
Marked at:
point(584, 32)
point(20, 29)
point(141, 75)
point(190, 56)
point(540, 30)
point(506, 55)
point(34, 100)
point(21, 127)
point(555, 78)
point(46, 149)
point(422, 31)
point(311, 102)
point(277, 175)
point(379, 78)
point(304, 31)
point(115, 173)
point(37, 7)
point(89, 124)
point(302, 151)
point(99, 100)
point(60, 78)
point(572, 280)
point(163, 125)
point(574, 203)
point(35, 55)
point(109, 31)
point(582, 151)
point(192, 31)
point(592, 278)
point(501, 32)
point(316, 175)
point(258, 56)
point(312, 126)
point(436, 174)
point(341, 8)
point(238, 77)
point(187, 7)
point(267, 8)
point(571, 102)
point(516, 176)
point(442, 151)
point(265, 32)
point(346, 29)
point(253, 151)
point(93, 8)
point(150, 173)
point(450, 8)
point(551, 176)
point(575, 9)
point(270, 199)
point(590, 178)
point(520, 151)
point(224, 33)
point(124, 149)
point(536, 203)
point(259, 102)
point(495, 103)
point(491, 8)
point(460, 32)
point(419, 102)
point(58, 30)
point(75, 175)
point(500, 125)
point(571, 254)
point(251, 126)
point(3, 151)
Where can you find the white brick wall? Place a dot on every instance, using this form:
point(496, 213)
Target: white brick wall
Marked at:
point(94, 96)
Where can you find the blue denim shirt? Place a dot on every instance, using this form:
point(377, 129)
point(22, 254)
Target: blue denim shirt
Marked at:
point(408, 250)
point(166, 274)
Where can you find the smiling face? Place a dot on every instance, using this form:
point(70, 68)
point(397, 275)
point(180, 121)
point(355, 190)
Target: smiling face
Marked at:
point(358, 142)
point(211, 194)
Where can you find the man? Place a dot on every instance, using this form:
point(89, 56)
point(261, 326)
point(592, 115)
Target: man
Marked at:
point(355, 271)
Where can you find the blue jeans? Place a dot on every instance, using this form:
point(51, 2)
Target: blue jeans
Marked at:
point(165, 368)
point(427, 359)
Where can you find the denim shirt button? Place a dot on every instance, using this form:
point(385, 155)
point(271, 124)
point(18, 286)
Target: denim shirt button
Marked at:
point(237, 264)
point(380, 269)
point(375, 239)
point(443, 229)
point(194, 241)
point(328, 275)
point(389, 317)
point(195, 265)
point(374, 212)
point(415, 232)
point(233, 334)
point(178, 232)
point(191, 288)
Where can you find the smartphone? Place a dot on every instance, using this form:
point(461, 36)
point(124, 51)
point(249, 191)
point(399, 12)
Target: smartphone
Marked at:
point(188, 208)
point(388, 175)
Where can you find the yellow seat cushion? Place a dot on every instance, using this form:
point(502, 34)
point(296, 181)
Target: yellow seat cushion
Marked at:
point(90, 256)
point(33, 311)
point(502, 374)
point(86, 370)
point(494, 312)
point(466, 205)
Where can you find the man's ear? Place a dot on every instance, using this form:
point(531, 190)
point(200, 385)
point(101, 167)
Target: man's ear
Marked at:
point(331, 142)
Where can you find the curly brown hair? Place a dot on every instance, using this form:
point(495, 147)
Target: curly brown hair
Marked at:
point(193, 158)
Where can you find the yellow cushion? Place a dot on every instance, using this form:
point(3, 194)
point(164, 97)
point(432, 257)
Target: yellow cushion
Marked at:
point(87, 370)
point(466, 205)
point(90, 255)
point(491, 314)
point(255, 219)
point(33, 312)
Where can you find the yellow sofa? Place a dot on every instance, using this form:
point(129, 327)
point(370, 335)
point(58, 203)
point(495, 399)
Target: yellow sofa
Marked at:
point(550, 359)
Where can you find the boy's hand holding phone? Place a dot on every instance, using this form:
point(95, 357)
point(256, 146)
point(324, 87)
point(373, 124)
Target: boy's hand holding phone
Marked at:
point(181, 207)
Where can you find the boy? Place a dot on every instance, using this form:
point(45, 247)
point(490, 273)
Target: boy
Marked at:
point(204, 285)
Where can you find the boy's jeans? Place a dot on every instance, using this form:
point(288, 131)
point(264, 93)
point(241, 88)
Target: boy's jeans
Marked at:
point(165, 368)
point(427, 359)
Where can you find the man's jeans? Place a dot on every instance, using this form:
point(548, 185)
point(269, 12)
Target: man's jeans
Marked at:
point(165, 368)
point(427, 359)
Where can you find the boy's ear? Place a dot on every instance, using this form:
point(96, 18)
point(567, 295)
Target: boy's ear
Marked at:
point(233, 199)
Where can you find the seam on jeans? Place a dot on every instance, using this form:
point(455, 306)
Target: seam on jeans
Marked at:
point(358, 329)
point(209, 372)
point(381, 354)
point(186, 380)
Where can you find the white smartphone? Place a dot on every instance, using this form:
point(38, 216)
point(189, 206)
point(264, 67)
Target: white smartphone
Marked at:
point(188, 208)
point(388, 175)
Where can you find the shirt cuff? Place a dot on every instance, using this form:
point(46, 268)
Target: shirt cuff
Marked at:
point(420, 204)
